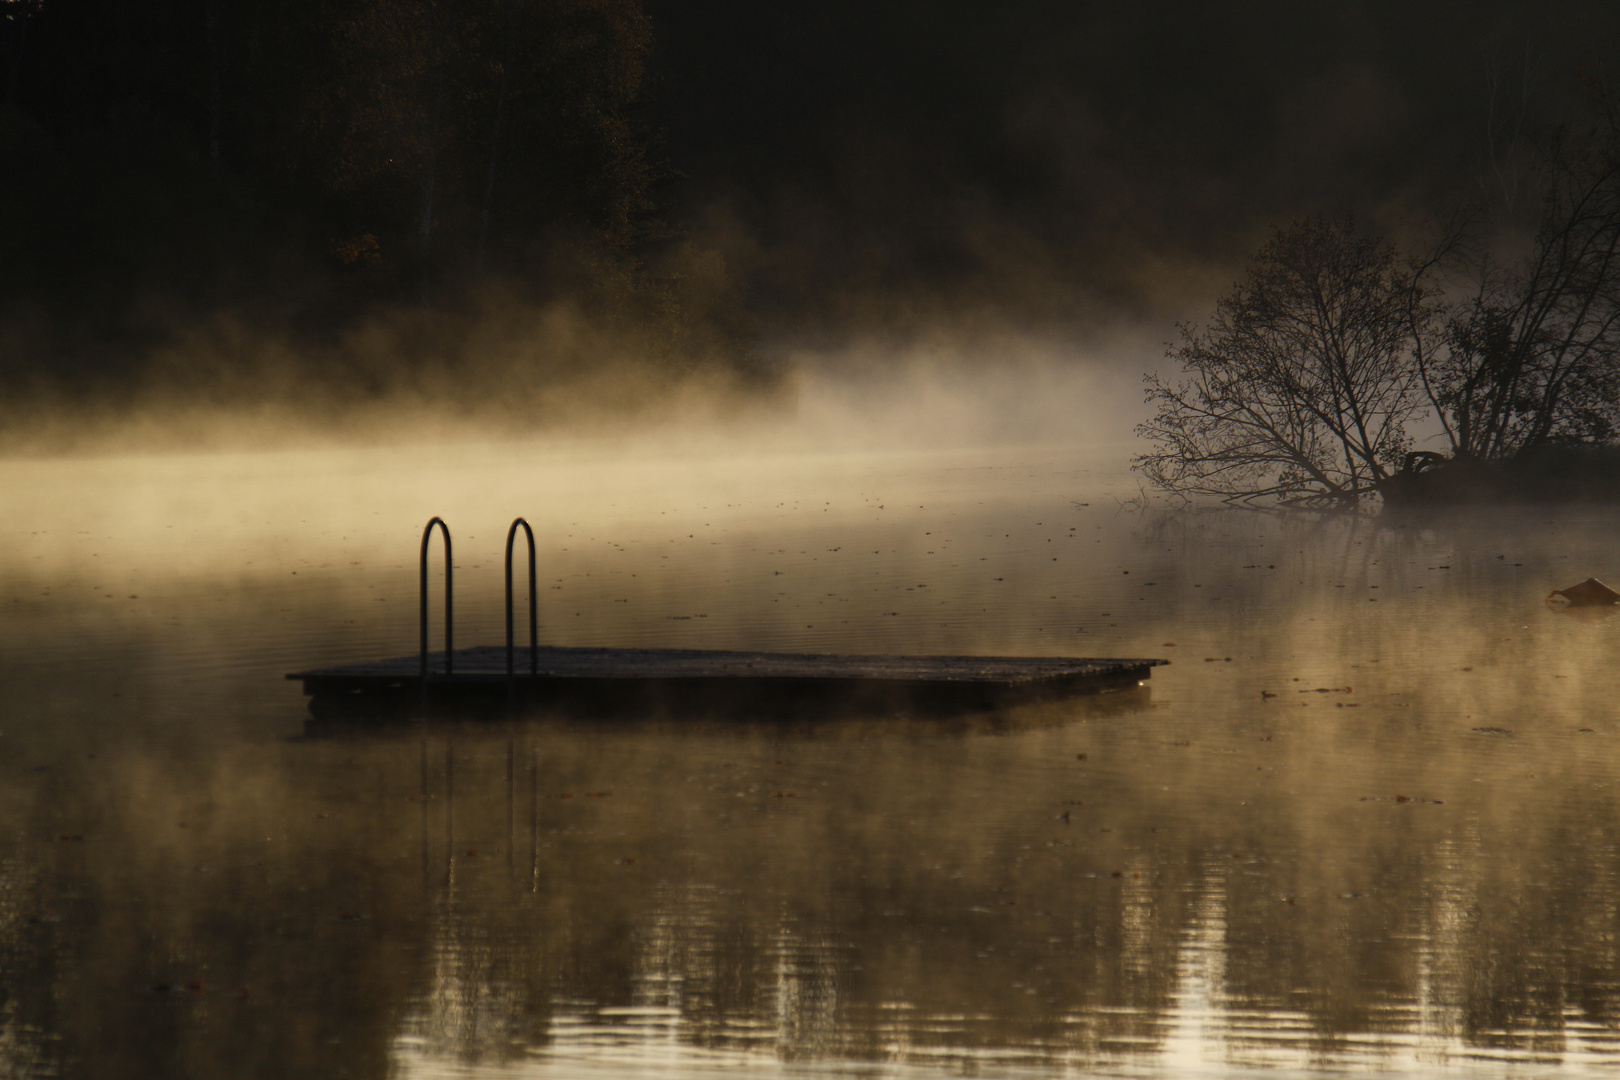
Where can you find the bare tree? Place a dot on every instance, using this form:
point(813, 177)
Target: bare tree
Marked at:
point(1300, 389)
point(1533, 355)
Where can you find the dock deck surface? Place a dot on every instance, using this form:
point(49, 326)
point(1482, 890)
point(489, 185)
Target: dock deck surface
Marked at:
point(571, 675)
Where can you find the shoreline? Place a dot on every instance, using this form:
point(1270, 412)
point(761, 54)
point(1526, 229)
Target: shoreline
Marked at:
point(1558, 474)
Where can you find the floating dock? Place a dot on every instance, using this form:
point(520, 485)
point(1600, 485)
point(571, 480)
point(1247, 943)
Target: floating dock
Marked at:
point(702, 680)
point(494, 679)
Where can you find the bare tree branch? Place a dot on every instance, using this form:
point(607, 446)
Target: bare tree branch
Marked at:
point(1300, 389)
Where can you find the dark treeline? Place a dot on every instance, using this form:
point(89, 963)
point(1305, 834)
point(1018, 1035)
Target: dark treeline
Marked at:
point(1083, 160)
point(310, 167)
point(426, 175)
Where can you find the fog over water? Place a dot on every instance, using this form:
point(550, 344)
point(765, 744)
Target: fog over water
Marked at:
point(1363, 822)
point(789, 327)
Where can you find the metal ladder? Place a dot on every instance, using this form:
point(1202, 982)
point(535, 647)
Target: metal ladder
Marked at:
point(449, 607)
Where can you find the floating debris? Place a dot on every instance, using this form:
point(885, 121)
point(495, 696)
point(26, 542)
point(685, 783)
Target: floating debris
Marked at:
point(1589, 593)
point(1402, 799)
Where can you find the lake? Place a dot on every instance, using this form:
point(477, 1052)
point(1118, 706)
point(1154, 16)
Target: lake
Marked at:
point(1365, 823)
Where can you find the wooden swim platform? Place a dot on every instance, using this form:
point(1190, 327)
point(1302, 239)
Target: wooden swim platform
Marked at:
point(489, 679)
point(690, 680)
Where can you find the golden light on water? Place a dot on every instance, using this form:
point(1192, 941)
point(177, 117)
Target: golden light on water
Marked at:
point(1362, 822)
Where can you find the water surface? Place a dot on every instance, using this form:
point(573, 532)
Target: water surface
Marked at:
point(1364, 823)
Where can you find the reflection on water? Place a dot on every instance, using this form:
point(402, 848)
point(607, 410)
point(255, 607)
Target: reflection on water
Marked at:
point(1365, 822)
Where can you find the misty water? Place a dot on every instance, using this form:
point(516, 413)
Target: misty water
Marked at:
point(1365, 822)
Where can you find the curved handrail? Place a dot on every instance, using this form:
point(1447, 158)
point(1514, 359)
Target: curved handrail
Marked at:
point(534, 606)
point(449, 606)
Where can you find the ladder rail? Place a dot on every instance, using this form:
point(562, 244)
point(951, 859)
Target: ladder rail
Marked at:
point(534, 605)
point(449, 602)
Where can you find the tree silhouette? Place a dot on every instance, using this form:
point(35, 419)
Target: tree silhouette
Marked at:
point(1300, 388)
point(1533, 355)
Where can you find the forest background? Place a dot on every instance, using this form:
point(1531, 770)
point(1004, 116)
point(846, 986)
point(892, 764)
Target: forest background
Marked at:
point(542, 210)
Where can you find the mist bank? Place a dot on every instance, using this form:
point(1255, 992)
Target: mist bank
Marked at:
point(547, 381)
point(496, 365)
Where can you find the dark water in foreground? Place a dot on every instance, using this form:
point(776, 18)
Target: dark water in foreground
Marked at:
point(1365, 823)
